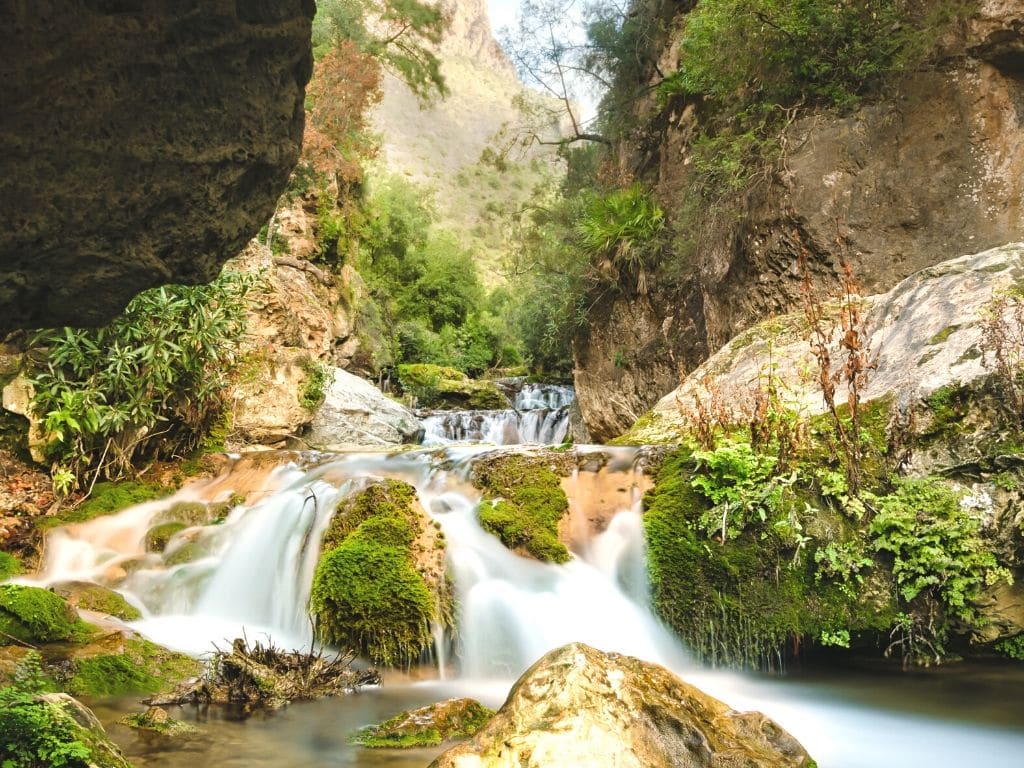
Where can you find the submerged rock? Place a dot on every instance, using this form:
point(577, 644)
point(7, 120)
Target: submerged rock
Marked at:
point(157, 720)
point(355, 413)
point(427, 726)
point(580, 707)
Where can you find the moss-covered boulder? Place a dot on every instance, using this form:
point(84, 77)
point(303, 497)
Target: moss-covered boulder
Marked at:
point(426, 726)
point(33, 615)
point(9, 566)
point(158, 536)
point(380, 582)
point(524, 502)
point(435, 386)
point(53, 729)
point(93, 597)
point(126, 666)
point(156, 720)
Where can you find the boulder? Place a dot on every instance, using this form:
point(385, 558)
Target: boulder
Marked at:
point(581, 707)
point(355, 413)
point(142, 143)
point(426, 726)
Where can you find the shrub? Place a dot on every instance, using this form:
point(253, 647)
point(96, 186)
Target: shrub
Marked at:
point(151, 382)
point(620, 229)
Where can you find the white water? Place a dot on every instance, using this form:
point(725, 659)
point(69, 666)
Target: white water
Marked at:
point(257, 568)
point(539, 415)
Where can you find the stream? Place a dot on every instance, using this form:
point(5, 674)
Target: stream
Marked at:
point(253, 572)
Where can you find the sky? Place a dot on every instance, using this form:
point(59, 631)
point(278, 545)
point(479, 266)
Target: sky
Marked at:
point(503, 13)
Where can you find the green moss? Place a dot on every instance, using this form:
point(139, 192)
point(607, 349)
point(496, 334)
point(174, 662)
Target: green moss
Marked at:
point(523, 503)
point(143, 667)
point(367, 592)
point(35, 615)
point(156, 720)
point(740, 603)
point(106, 499)
point(949, 406)
point(944, 334)
point(314, 389)
point(93, 597)
point(158, 536)
point(9, 566)
point(437, 386)
point(427, 726)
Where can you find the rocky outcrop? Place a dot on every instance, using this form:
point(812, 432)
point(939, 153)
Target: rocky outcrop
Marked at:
point(925, 335)
point(578, 706)
point(142, 143)
point(355, 413)
point(933, 168)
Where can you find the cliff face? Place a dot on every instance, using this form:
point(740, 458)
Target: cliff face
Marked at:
point(936, 167)
point(142, 142)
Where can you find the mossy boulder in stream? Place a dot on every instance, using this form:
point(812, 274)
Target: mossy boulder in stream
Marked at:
point(435, 386)
point(93, 597)
point(524, 502)
point(380, 583)
point(129, 666)
point(426, 726)
point(33, 615)
point(578, 706)
point(107, 499)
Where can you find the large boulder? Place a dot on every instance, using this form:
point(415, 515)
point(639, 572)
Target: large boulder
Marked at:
point(143, 142)
point(579, 706)
point(355, 413)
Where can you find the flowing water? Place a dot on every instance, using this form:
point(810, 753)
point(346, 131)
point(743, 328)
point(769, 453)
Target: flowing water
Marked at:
point(252, 572)
point(539, 415)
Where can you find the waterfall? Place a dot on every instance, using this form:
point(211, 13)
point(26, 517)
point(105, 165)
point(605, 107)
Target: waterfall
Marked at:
point(539, 415)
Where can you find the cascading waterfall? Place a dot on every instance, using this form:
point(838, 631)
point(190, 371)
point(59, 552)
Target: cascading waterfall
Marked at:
point(539, 415)
point(252, 573)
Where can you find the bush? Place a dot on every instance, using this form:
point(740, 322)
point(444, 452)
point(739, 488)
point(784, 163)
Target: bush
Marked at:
point(150, 383)
point(621, 228)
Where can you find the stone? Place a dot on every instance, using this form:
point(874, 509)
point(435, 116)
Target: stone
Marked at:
point(426, 726)
point(357, 414)
point(142, 143)
point(578, 706)
point(84, 726)
point(17, 398)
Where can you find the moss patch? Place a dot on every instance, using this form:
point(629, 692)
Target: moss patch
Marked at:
point(435, 386)
point(143, 667)
point(156, 720)
point(158, 536)
point(93, 597)
point(9, 566)
point(34, 615)
point(523, 503)
point(368, 594)
point(106, 499)
point(427, 726)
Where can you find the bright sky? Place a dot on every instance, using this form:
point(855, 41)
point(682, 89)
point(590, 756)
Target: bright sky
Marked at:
point(503, 13)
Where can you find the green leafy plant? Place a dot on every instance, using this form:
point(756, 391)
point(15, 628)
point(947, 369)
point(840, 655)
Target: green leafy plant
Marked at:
point(845, 563)
point(152, 382)
point(741, 484)
point(939, 558)
point(318, 378)
point(839, 638)
point(619, 231)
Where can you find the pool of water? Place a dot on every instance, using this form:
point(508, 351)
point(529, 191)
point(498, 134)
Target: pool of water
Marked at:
point(847, 718)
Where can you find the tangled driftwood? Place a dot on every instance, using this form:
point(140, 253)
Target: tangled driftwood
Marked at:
point(262, 676)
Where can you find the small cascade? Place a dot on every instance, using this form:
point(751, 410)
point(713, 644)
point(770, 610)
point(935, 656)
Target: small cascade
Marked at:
point(540, 415)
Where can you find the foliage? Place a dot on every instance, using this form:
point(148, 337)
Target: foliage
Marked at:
point(150, 383)
point(402, 34)
point(741, 484)
point(1012, 648)
point(938, 554)
point(523, 504)
point(619, 231)
point(318, 379)
point(438, 386)
point(367, 593)
point(845, 563)
point(35, 733)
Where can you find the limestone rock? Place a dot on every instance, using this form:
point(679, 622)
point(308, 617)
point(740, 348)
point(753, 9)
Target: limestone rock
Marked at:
point(357, 414)
point(142, 143)
point(17, 398)
point(426, 726)
point(924, 334)
point(581, 707)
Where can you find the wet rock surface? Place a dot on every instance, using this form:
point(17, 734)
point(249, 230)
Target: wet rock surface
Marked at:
point(579, 706)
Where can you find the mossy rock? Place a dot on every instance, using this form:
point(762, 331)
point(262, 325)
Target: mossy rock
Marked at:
point(437, 387)
point(158, 536)
point(106, 499)
point(34, 615)
point(93, 597)
point(55, 730)
point(143, 667)
point(9, 566)
point(187, 514)
point(369, 592)
point(426, 726)
point(156, 720)
point(188, 552)
point(524, 502)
